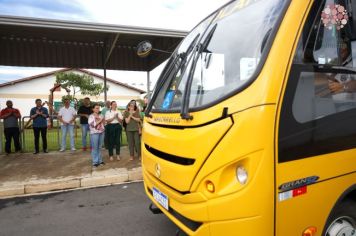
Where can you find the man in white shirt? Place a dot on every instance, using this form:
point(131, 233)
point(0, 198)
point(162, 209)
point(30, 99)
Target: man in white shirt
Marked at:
point(66, 116)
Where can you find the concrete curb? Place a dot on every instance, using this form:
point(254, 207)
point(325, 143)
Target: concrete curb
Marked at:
point(97, 178)
point(103, 180)
point(51, 186)
point(135, 174)
point(7, 191)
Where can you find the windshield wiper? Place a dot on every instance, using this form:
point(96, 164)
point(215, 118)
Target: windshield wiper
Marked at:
point(190, 48)
point(160, 83)
point(184, 55)
point(201, 48)
point(207, 40)
point(168, 72)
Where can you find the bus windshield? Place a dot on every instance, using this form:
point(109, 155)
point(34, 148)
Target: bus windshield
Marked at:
point(218, 56)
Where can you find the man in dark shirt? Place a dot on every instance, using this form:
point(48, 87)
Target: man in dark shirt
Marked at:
point(39, 115)
point(84, 112)
point(11, 126)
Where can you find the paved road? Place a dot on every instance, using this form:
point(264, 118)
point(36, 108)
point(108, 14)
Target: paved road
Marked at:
point(114, 210)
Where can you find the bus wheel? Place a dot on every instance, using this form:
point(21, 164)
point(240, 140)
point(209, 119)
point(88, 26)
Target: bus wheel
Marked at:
point(180, 233)
point(343, 220)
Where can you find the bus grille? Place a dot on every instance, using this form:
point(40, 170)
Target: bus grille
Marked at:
point(168, 157)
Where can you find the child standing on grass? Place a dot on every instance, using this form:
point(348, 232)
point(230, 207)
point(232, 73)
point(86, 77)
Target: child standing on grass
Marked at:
point(96, 126)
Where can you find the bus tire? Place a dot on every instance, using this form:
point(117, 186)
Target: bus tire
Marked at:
point(180, 233)
point(342, 220)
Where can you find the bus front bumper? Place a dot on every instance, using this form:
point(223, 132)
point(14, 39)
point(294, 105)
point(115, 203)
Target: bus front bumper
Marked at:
point(190, 212)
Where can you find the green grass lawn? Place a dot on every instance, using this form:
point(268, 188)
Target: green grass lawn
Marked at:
point(54, 137)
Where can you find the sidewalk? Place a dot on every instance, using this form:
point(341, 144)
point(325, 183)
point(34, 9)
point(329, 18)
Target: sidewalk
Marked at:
point(26, 173)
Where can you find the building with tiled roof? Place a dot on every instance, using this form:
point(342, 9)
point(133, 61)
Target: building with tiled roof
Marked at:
point(23, 92)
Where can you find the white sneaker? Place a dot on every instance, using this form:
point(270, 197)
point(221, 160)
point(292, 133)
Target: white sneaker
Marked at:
point(73, 149)
point(62, 150)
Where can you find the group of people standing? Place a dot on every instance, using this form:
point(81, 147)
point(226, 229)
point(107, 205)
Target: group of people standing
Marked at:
point(90, 122)
point(11, 117)
point(104, 127)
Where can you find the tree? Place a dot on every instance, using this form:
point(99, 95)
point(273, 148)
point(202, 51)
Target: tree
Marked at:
point(79, 83)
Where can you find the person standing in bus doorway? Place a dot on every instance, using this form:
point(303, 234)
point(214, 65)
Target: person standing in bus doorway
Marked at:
point(342, 83)
point(103, 112)
point(133, 125)
point(66, 116)
point(96, 125)
point(84, 112)
point(11, 118)
point(113, 130)
point(39, 115)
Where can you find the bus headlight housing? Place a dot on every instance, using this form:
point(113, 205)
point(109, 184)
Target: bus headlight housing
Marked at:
point(210, 186)
point(241, 175)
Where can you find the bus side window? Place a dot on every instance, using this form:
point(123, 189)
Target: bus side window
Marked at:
point(329, 50)
point(320, 98)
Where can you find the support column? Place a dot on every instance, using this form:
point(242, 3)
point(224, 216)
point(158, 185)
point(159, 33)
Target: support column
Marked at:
point(148, 86)
point(105, 90)
point(106, 57)
point(104, 68)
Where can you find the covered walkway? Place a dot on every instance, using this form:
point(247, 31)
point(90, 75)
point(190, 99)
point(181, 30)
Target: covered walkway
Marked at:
point(36, 42)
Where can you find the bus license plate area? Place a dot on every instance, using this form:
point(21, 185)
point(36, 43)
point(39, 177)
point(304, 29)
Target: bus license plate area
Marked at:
point(160, 197)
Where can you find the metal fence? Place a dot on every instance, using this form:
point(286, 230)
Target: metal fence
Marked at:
point(27, 137)
point(54, 135)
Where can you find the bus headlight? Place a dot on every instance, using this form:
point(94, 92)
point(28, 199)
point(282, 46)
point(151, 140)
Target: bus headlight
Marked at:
point(241, 174)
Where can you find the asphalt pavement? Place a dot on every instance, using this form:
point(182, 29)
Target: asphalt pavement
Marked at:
point(113, 210)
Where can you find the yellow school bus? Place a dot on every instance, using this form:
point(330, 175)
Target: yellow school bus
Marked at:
point(251, 129)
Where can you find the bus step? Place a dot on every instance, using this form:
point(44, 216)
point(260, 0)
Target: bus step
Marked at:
point(155, 210)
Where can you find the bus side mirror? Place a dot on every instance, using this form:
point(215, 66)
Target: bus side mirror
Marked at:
point(144, 48)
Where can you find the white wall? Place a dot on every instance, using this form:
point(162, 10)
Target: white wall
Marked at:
point(23, 94)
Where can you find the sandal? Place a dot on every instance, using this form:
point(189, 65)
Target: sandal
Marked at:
point(118, 158)
point(111, 158)
point(131, 158)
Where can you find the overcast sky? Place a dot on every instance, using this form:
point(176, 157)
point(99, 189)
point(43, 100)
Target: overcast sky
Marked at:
point(167, 14)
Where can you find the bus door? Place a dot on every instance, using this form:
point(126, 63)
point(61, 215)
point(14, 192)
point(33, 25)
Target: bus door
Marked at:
point(316, 146)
